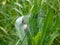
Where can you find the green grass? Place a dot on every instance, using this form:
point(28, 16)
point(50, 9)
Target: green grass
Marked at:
point(44, 23)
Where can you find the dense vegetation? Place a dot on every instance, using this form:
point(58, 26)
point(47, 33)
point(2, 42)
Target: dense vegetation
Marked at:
point(44, 23)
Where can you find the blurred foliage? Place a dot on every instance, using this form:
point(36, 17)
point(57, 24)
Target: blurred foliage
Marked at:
point(44, 23)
